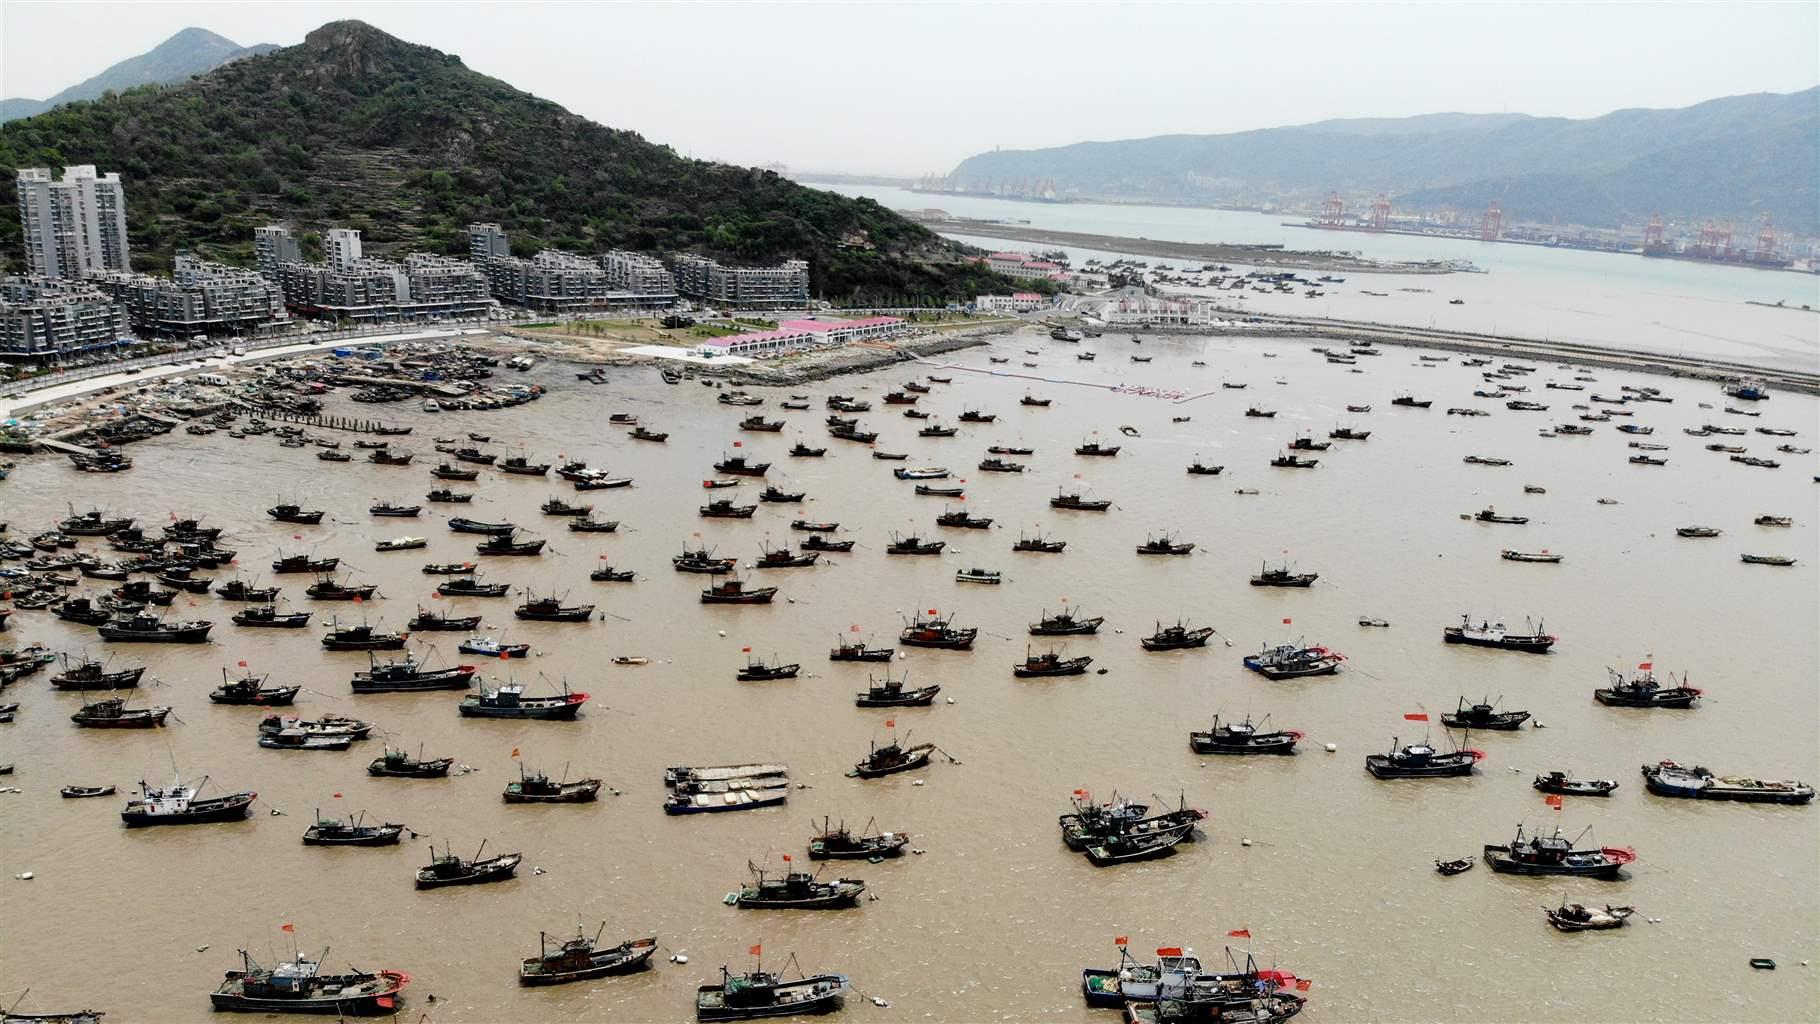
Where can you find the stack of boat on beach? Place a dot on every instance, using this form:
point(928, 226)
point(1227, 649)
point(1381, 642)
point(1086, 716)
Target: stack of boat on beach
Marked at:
point(1121, 831)
point(713, 789)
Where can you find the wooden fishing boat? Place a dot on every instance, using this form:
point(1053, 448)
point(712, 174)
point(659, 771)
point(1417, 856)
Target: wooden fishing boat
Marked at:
point(1527, 556)
point(1495, 635)
point(551, 609)
point(1176, 637)
point(935, 632)
point(114, 714)
point(759, 994)
point(396, 764)
point(1483, 716)
point(796, 890)
point(1065, 623)
point(537, 788)
point(892, 693)
point(1078, 503)
point(1454, 867)
point(299, 986)
point(756, 670)
point(1556, 855)
point(448, 869)
point(352, 832)
point(1049, 664)
point(723, 508)
point(178, 804)
point(1242, 738)
point(842, 843)
point(584, 959)
point(442, 622)
point(1560, 782)
point(510, 701)
point(1421, 761)
point(733, 591)
point(270, 617)
point(726, 801)
point(504, 544)
point(893, 758)
point(84, 792)
point(250, 690)
point(487, 647)
point(1573, 917)
point(1126, 848)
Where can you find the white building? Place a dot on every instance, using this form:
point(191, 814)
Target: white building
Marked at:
point(1134, 310)
point(1023, 266)
point(1017, 302)
point(75, 227)
point(799, 334)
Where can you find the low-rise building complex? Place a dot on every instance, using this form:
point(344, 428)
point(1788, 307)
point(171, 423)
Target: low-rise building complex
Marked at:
point(44, 318)
point(785, 286)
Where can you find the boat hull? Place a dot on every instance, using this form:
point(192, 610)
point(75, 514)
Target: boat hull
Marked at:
point(229, 808)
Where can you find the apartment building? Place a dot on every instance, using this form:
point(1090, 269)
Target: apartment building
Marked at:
point(640, 278)
point(783, 286)
point(273, 247)
point(74, 227)
point(199, 297)
point(349, 285)
point(44, 318)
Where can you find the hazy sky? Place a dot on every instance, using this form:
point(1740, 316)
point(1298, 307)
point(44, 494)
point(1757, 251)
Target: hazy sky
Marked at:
point(912, 88)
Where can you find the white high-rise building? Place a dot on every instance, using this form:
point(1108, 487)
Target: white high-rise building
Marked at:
point(341, 248)
point(75, 227)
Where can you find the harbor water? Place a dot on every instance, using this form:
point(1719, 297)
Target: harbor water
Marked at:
point(1330, 871)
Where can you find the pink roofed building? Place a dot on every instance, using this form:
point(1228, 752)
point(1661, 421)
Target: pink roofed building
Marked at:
point(791, 335)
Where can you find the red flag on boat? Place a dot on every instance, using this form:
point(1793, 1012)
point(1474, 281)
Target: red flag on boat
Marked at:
point(853, 628)
point(336, 796)
point(739, 444)
point(1122, 940)
point(1553, 800)
point(706, 484)
point(1303, 984)
point(756, 950)
point(1239, 933)
point(296, 536)
point(242, 664)
point(890, 723)
point(1285, 622)
point(287, 927)
point(786, 858)
point(1169, 951)
point(1645, 666)
point(505, 656)
point(514, 751)
point(932, 611)
point(745, 650)
point(356, 598)
point(1421, 717)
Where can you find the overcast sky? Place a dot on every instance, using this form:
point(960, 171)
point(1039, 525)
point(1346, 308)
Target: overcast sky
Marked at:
point(914, 88)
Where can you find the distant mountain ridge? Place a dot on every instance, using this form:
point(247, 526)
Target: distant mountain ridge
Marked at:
point(1739, 156)
point(192, 51)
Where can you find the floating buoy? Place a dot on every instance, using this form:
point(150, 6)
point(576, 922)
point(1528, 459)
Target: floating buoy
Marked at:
point(918, 782)
point(876, 1001)
point(679, 959)
point(24, 876)
point(1331, 747)
point(1538, 725)
point(537, 871)
point(1244, 842)
point(950, 700)
point(204, 948)
point(723, 632)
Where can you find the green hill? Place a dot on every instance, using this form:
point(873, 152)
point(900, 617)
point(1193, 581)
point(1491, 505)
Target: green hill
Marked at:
point(354, 127)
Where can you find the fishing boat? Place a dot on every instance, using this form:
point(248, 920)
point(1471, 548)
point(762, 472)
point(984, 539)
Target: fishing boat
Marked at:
point(442, 622)
point(733, 591)
point(1242, 738)
point(520, 466)
point(397, 764)
point(738, 465)
point(151, 629)
point(351, 832)
point(270, 617)
point(803, 451)
point(924, 490)
point(402, 544)
point(756, 670)
point(759, 424)
point(84, 792)
point(817, 542)
point(977, 416)
point(892, 693)
point(759, 994)
point(1556, 855)
point(1049, 664)
point(1096, 448)
point(488, 647)
point(999, 449)
point(113, 713)
point(387, 509)
point(251, 690)
point(538, 788)
point(238, 590)
point(1289, 661)
point(1529, 556)
point(584, 959)
point(409, 676)
point(1495, 635)
point(1667, 778)
point(1126, 848)
point(1696, 531)
point(1778, 560)
point(178, 804)
point(472, 587)
point(446, 496)
point(842, 843)
point(723, 508)
point(551, 609)
point(1161, 544)
point(796, 890)
point(702, 561)
point(1646, 460)
point(89, 674)
point(1411, 402)
point(1176, 637)
point(775, 494)
point(936, 632)
point(858, 651)
point(1483, 716)
point(1000, 466)
point(975, 575)
point(445, 471)
point(559, 507)
point(462, 524)
point(1078, 503)
point(1421, 761)
point(1032, 400)
point(1480, 460)
point(1198, 468)
point(1283, 577)
point(1038, 543)
point(1255, 412)
point(1454, 867)
point(608, 574)
point(299, 986)
point(884, 456)
point(937, 430)
point(510, 701)
point(286, 513)
point(1562, 783)
point(448, 869)
point(93, 524)
point(1573, 917)
point(363, 637)
point(180, 579)
point(893, 758)
point(1293, 461)
point(921, 473)
point(300, 739)
point(804, 524)
point(504, 544)
point(913, 545)
point(1065, 623)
